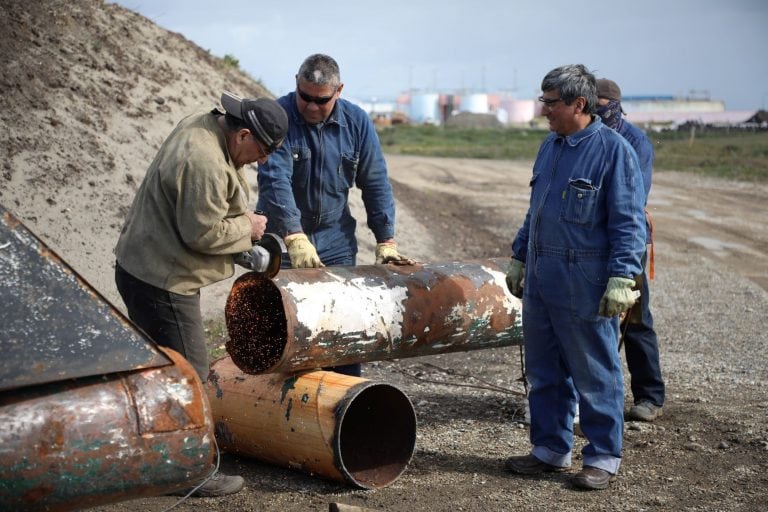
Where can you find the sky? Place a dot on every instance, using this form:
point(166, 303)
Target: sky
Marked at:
point(714, 48)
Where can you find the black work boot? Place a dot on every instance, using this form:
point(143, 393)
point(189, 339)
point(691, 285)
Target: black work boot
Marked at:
point(529, 465)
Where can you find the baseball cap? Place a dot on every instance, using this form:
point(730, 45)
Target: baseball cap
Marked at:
point(265, 118)
point(608, 89)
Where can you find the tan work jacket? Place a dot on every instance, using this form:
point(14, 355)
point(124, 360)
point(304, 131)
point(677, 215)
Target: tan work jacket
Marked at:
point(188, 217)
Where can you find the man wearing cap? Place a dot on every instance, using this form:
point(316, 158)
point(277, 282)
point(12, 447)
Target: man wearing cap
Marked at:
point(188, 223)
point(640, 341)
point(331, 146)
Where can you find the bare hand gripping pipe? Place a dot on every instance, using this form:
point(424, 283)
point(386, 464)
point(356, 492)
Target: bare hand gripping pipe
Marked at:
point(343, 428)
point(312, 318)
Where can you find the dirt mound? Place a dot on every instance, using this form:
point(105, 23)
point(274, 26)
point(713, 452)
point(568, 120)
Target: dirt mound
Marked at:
point(89, 91)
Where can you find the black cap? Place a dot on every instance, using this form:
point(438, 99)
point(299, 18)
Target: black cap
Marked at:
point(265, 118)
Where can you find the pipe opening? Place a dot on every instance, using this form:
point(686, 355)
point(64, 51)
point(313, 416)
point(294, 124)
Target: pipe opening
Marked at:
point(376, 436)
point(256, 323)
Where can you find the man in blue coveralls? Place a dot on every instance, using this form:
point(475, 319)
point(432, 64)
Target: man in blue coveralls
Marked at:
point(331, 146)
point(641, 344)
point(574, 263)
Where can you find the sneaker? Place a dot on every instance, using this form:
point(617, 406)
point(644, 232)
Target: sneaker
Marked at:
point(529, 465)
point(644, 410)
point(218, 485)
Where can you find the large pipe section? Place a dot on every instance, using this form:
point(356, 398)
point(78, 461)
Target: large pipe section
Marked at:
point(313, 318)
point(343, 428)
point(79, 443)
point(91, 410)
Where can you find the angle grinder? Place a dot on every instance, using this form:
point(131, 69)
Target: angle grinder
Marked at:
point(264, 257)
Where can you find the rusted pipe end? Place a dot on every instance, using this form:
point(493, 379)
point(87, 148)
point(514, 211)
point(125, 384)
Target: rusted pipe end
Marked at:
point(375, 435)
point(254, 312)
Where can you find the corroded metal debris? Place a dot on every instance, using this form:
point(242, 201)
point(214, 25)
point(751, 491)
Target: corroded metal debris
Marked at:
point(53, 325)
point(91, 410)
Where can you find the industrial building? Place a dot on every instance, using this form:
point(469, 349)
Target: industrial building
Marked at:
point(653, 112)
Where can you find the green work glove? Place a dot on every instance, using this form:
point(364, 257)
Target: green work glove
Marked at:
point(515, 277)
point(386, 252)
point(618, 296)
point(302, 252)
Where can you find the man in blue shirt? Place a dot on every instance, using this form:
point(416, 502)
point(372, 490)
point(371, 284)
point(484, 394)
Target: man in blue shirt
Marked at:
point(331, 146)
point(640, 341)
point(574, 263)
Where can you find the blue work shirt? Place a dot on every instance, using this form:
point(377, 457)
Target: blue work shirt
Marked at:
point(587, 200)
point(644, 149)
point(304, 186)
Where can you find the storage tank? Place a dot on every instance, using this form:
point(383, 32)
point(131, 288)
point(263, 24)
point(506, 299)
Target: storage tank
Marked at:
point(425, 108)
point(519, 111)
point(475, 103)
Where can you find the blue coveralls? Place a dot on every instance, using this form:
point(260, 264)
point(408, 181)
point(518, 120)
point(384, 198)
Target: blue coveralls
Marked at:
point(641, 344)
point(585, 224)
point(304, 186)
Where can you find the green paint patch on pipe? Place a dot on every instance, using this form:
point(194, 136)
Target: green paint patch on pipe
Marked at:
point(288, 384)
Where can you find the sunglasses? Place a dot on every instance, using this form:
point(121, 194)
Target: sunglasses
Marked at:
point(318, 100)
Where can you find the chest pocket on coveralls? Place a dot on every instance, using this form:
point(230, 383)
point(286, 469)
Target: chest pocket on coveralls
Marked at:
point(345, 174)
point(302, 166)
point(580, 202)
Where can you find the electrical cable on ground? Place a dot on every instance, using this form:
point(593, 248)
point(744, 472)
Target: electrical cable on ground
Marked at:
point(211, 475)
point(487, 385)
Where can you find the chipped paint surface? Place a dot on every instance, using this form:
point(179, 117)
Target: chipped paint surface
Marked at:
point(55, 325)
point(86, 441)
point(309, 318)
point(91, 411)
point(365, 309)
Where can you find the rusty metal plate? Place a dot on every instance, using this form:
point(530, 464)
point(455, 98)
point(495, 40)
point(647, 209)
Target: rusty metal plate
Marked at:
point(53, 324)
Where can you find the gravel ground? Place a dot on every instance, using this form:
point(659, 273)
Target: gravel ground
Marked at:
point(708, 452)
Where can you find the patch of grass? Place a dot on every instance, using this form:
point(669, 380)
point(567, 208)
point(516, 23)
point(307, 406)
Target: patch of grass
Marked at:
point(732, 155)
point(230, 61)
point(216, 337)
point(454, 142)
point(727, 154)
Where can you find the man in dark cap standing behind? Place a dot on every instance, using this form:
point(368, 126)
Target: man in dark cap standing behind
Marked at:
point(640, 341)
point(188, 223)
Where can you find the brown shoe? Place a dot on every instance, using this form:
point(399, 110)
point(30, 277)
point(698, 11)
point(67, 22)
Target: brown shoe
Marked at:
point(592, 478)
point(529, 465)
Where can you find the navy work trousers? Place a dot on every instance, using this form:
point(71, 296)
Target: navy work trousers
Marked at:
point(170, 319)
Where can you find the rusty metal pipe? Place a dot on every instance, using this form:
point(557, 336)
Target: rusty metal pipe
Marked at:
point(84, 442)
point(312, 318)
point(91, 410)
point(343, 428)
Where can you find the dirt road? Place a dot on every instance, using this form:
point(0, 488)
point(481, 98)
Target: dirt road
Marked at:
point(723, 221)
